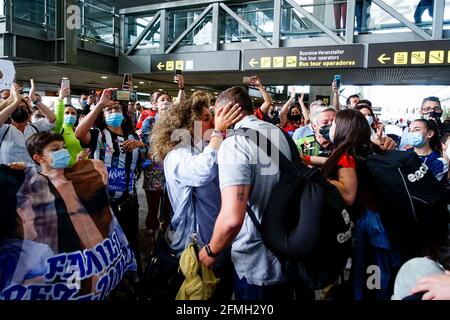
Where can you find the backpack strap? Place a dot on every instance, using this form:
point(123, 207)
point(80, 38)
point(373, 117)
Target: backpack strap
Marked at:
point(4, 135)
point(284, 164)
point(34, 127)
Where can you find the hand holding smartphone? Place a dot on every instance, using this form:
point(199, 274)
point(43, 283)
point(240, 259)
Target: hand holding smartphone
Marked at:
point(337, 80)
point(178, 72)
point(65, 84)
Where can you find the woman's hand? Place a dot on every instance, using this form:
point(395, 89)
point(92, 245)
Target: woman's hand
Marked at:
point(227, 116)
point(132, 144)
point(435, 287)
point(64, 93)
point(83, 155)
point(106, 98)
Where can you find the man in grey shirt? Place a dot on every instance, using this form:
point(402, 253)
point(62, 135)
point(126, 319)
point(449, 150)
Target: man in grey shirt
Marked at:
point(247, 176)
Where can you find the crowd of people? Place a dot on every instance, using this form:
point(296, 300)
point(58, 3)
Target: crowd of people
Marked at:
point(201, 182)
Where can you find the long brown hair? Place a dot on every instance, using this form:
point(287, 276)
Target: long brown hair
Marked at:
point(351, 137)
point(179, 116)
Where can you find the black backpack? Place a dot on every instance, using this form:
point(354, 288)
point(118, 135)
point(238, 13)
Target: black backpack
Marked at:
point(306, 223)
point(414, 204)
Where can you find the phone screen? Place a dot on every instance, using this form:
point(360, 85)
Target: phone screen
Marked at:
point(338, 78)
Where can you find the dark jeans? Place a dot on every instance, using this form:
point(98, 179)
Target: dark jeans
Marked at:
point(423, 6)
point(245, 291)
point(362, 14)
point(127, 215)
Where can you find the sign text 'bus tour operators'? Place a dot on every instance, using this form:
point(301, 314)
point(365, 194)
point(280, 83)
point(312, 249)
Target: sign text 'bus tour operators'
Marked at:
point(322, 57)
point(196, 61)
point(412, 54)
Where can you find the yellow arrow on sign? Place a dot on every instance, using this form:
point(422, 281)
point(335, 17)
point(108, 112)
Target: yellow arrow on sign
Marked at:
point(160, 66)
point(382, 59)
point(253, 62)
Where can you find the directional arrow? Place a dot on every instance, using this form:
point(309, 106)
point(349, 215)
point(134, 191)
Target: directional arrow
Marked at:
point(160, 66)
point(382, 59)
point(253, 62)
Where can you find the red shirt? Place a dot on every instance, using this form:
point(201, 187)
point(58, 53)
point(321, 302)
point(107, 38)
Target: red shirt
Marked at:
point(346, 161)
point(290, 127)
point(258, 113)
point(144, 115)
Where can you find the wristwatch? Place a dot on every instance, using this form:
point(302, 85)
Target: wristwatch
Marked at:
point(209, 252)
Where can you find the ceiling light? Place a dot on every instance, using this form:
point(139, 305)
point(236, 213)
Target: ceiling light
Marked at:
point(192, 89)
point(136, 87)
point(141, 82)
point(104, 77)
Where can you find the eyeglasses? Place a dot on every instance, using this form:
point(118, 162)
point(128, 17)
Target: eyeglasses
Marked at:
point(435, 109)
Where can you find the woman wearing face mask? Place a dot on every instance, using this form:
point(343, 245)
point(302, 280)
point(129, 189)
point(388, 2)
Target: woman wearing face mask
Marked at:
point(424, 138)
point(66, 118)
point(113, 142)
point(346, 169)
point(290, 116)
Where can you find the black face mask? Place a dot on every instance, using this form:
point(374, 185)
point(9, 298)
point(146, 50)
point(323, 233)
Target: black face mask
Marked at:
point(19, 115)
point(294, 117)
point(325, 132)
point(435, 115)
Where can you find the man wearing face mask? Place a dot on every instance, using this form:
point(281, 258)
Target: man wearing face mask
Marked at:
point(14, 135)
point(430, 110)
point(318, 144)
point(86, 102)
point(113, 142)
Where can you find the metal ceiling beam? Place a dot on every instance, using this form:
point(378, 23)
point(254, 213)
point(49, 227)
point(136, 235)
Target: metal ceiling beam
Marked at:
point(438, 19)
point(190, 28)
point(350, 22)
point(245, 24)
point(391, 11)
point(319, 24)
point(169, 5)
point(143, 34)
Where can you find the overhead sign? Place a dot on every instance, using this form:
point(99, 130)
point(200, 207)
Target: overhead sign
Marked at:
point(412, 54)
point(323, 57)
point(196, 61)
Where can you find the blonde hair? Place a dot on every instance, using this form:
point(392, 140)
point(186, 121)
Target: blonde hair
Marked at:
point(178, 119)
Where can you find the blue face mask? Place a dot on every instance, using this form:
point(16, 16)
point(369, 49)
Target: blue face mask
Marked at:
point(114, 119)
point(70, 119)
point(416, 139)
point(61, 159)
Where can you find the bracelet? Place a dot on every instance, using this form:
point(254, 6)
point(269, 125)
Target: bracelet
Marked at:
point(182, 88)
point(217, 133)
point(209, 252)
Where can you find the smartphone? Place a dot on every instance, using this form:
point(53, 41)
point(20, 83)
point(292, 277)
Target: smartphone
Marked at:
point(337, 78)
point(178, 72)
point(127, 83)
point(247, 81)
point(65, 83)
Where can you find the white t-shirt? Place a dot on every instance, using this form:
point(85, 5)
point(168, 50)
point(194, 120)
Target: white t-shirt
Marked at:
point(13, 147)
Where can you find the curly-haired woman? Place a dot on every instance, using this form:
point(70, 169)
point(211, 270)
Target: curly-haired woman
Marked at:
point(190, 172)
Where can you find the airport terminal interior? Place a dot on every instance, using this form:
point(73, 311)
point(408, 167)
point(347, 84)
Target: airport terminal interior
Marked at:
point(105, 202)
